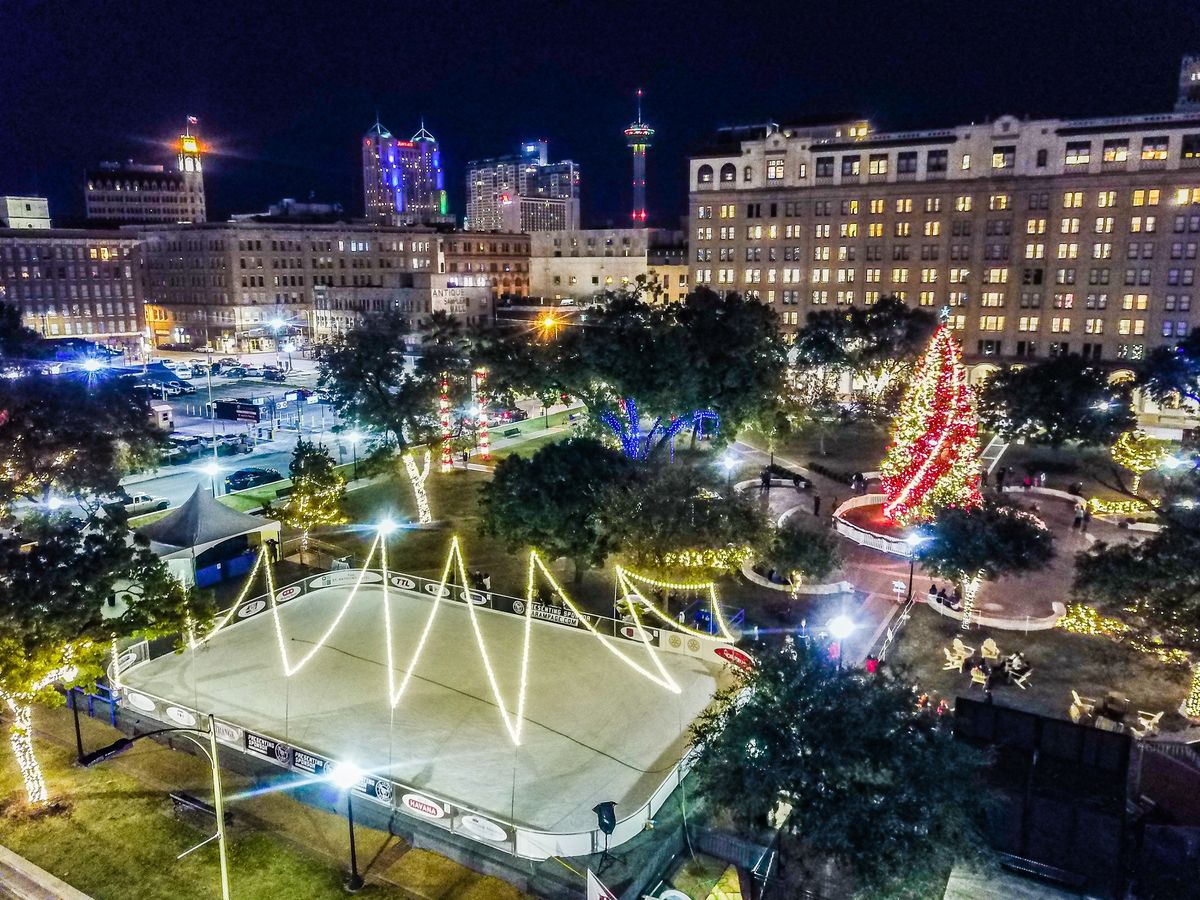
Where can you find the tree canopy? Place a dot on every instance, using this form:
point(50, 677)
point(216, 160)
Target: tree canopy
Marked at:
point(722, 353)
point(1059, 400)
point(673, 509)
point(991, 539)
point(875, 783)
point(553, 501)
point(69, 436)
point(875, 345)
point(56, 622)
point(1170, 372)
point(371, 383)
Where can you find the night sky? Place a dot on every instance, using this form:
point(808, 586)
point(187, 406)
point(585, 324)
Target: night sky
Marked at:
point(284, 90)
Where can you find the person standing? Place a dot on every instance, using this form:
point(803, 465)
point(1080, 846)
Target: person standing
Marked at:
point(1087, 517)
point(816, 504)
point(1078, 523)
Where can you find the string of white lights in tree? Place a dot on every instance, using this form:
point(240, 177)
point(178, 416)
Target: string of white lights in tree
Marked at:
point(194, 642)
point(625, 579)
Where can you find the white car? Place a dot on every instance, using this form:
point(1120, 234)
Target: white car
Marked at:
point(140, 504)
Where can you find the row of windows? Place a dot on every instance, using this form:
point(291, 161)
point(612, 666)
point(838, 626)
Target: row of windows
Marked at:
point(1153, 150)
point(1105, 199)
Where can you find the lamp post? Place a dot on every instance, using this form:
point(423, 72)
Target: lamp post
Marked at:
point(728, 463)
point(355, 436)
point(211, 470)
point(118, 747)
point(347, 776)
point(841, 627)
point(277, 324)
point(914, 541)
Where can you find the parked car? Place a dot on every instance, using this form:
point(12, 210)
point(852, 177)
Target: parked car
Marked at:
point(188, 443)
point(506, 416)
point(181, 370)
point(234, 372)
point(185, 387)
point(254, 371)
point(243, 479)
point(270, 373)
point(139, 504)
point(229, 361)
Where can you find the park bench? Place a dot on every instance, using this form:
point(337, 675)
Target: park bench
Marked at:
point(183, 803)
point(511, 432)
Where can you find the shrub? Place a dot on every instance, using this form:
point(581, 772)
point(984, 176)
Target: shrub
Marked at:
point(813, 554)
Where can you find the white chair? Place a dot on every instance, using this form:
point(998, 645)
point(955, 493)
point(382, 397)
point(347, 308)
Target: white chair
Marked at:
point(1086, 704)
point(1022, 679)
point(1147, 723)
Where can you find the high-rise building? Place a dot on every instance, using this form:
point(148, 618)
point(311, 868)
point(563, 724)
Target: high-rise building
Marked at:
point(403, 183)
point(1188, 98)
point(246, 285)
point(24, 212)
point(524, 192)
point(138, 193)
point(72, 283)
point(1041, 237)
point(638, 136)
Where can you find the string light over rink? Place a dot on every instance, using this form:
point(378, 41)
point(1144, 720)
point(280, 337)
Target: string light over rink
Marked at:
point(454, 579)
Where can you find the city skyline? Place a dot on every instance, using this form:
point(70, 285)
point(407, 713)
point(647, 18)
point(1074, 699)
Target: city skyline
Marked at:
point(295, 131)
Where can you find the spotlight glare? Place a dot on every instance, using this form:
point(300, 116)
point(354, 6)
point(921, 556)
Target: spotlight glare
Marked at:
point(347, 775)
point(841, 627)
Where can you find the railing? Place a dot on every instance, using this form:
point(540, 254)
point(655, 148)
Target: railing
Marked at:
point(411, 800)
point(896, 546)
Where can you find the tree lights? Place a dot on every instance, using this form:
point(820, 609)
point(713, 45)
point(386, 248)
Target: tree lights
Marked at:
point(444, 421)
point(932, 462)
point(1139, 453)
point(481, 423)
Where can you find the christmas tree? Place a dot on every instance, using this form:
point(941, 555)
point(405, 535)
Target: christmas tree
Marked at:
point(933, 460)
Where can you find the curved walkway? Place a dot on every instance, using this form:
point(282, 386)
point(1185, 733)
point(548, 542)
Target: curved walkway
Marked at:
point(1029, 597)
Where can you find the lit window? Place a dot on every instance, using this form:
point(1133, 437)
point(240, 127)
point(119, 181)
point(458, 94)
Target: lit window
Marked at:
point(933, 229)
point(998, 201)
point(1146, 197)
point(1061, 324)
point(1079, 153)
point(1073, 199)
point(962, 204)
point(903, 204)
point(966, 162)
point(775, 169)
point(991, 323)
point(877, 206)
point(1035, 226)
point(1106, 198)
point(1154, 149)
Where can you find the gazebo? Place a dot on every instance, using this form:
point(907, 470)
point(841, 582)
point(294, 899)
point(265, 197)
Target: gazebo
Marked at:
point(204, 541)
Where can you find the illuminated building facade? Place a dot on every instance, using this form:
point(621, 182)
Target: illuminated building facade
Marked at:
point(136, 193)
point(577, 265)
point(24, 212)
point(1042, 237)
point(225, 284)
point(499, 262)
point(524, 192)
point(403, 183)
point(75, 283)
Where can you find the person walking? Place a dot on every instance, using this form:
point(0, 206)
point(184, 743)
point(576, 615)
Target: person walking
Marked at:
point(1078, 523)
point(1087, 517)
point(765, 480)
point(816, 504)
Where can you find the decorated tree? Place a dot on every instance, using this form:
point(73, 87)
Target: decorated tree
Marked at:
point(57, 624)
point(317, 491)
point(978, 543)
point(1139, 453)
point(933, 460)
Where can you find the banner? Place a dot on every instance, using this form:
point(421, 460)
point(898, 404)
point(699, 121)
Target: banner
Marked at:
point(596, 890)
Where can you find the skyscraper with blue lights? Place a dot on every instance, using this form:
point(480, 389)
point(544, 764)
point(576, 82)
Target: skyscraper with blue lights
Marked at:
point(403, 182)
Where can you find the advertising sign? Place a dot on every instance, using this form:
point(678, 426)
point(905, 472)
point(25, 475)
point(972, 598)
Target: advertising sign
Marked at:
point(268, 748)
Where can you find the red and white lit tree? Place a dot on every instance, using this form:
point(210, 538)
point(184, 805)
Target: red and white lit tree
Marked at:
point(933, 460)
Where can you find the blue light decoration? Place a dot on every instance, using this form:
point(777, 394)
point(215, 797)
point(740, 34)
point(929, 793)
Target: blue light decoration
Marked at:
point(638, 446)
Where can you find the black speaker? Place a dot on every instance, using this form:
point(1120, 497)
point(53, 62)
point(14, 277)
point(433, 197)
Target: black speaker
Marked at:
point(606, 816)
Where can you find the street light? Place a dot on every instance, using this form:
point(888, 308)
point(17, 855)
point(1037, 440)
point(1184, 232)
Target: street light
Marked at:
point(347, 776)
point(387, 526)
point(728, 463)
point(92, 365)
point(841, 628)
point(276, 324)
point(914, 541)
point(211, 470)
point(355, 436)
point(120, 746)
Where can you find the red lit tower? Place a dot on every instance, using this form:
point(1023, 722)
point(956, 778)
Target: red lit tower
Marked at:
point(638, 136)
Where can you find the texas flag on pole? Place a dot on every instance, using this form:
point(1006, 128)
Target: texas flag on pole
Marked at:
point(596, 890)
point(192, 120)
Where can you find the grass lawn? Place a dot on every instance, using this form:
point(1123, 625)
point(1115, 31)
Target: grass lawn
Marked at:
point(854, 447)
point(118, 837)
point(1063, 466)
point(1093, 666)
